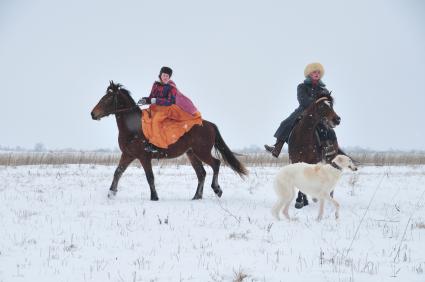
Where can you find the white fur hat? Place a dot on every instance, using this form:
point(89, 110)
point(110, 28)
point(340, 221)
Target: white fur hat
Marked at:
point(314, 67)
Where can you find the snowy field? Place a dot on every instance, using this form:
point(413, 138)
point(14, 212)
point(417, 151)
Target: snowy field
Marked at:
point(58, 225)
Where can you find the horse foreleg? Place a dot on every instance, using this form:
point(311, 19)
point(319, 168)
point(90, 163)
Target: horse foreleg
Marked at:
point(147, 166)
point(200, 173)
point(125, 160)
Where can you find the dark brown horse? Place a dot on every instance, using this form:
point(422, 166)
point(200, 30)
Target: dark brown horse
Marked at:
point(304, 144)
point(197, 143)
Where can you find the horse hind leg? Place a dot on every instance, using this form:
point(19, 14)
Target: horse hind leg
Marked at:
point(125, 160)
point(147, 166)
point(214, 185)
point(200, 173)
point(205, 156)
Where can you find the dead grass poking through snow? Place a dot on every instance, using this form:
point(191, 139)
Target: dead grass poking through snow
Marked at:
point(420, 225)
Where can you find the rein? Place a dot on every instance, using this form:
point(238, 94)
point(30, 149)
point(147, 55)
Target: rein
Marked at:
point(321, 99)
point(124, 110)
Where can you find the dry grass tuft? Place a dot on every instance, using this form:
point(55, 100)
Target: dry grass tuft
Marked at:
point(240, 276)
point(252, 159)
point(420, 225)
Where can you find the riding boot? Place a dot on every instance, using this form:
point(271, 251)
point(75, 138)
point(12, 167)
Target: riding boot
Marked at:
point(269, 148)
point(277, 148)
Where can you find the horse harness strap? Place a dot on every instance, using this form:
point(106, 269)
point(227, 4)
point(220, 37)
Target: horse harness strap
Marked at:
point(116, 110)
point(321, 99)
point(124, 109)
point(326, 148)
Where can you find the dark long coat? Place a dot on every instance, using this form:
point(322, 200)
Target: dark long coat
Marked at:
point(306, 95)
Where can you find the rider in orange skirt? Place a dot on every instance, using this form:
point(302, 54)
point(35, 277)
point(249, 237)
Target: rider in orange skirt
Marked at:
point(170, 114)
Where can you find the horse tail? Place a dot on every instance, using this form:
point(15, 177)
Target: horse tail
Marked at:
point(227, 155)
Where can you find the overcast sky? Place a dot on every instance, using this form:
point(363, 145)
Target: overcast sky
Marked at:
point(239, 61)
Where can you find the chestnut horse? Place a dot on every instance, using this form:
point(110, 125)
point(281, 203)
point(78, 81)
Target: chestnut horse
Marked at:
point(304, 144)
point(197, 143)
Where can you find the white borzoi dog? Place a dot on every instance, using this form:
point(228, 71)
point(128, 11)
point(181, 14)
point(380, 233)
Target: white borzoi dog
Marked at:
point(316, 180)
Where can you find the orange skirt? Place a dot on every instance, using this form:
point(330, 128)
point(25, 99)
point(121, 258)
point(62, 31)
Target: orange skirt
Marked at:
point(164, 125)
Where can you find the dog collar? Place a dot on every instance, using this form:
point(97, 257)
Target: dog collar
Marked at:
point(336, 166)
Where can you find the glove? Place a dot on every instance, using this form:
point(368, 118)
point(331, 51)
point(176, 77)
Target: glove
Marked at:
point(144, 101)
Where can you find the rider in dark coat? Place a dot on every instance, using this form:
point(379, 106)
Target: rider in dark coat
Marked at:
point(307, 93)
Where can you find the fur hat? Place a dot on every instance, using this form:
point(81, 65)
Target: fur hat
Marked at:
point(166, 70)
point(314, 67)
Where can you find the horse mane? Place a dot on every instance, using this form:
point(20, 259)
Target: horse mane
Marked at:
point(121, 88)
point(126, 92)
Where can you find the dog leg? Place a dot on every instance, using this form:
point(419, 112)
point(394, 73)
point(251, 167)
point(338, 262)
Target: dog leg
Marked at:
point(321, 208)
point(336, 204)
point(288, 203)
point(285, 210)
point(277, 207)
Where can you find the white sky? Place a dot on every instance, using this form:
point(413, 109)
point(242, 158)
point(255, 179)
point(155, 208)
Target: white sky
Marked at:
point(239, 61)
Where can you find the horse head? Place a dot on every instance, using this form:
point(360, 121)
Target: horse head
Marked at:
point(117, 99)
point(324, 108)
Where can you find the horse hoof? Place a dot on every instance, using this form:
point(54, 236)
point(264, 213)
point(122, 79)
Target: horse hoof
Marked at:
point(112, 194)
point(154, 198)
point(197, 197)
point(219, 193)
point(299, 205)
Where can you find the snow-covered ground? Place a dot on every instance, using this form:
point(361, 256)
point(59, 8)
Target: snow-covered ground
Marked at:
point(56, 224)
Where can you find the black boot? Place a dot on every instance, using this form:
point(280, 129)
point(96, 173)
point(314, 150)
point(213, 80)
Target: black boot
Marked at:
point(269, 148)
point(275, 150)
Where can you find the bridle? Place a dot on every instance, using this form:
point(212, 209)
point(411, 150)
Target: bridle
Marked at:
point(116, 110)
point(321, 99)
